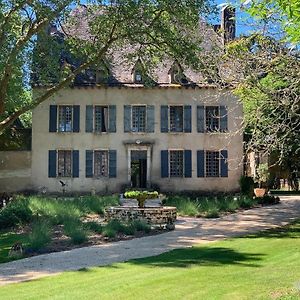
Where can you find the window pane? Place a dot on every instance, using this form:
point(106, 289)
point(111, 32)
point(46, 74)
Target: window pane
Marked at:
point(101, 164)
point(212, 163)
point(101, 118)
point(65, 118)
point(64, 168)
point(176, 163)
point(212, 118)
point(176, 118)
point(139, 118)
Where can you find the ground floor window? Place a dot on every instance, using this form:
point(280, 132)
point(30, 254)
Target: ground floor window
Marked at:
point(212, 163)
point(176, 163)
point(101, 163)
point(64, 163)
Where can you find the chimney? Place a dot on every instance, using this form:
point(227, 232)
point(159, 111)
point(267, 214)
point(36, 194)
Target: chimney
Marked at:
point(228, 23)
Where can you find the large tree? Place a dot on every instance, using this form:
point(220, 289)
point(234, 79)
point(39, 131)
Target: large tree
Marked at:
point(151, 28)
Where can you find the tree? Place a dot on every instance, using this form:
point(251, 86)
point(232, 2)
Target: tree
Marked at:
point(152, 30)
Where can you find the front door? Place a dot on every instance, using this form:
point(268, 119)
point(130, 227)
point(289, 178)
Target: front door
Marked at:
point(138, 168)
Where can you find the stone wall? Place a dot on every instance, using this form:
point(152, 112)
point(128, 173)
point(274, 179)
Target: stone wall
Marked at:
point(15, 171)
point(152, 215)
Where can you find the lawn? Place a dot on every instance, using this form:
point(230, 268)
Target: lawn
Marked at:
point(263, 266)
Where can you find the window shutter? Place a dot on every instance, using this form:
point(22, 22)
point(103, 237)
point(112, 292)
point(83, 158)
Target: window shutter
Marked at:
point(52, 163)
point(223, 119)
point(76, 118)
point(89, 163)
point(200, 118)
point(164, 163)
point(188, 163)
point(150, 118)
point(112, 119)
point(164, 120)
point(224, 163)
point(53, 118)
point(89, 116)
point(75, 163)
point(127, 118)
point(187, 118)
point(200, 163)
point(112, 163)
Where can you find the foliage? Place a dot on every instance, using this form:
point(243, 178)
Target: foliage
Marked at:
point(267, 200)
point(140, 225)
point(74, 229)
point(260, 266)
point(39, 236)
point(246, 185)
point(31, 47)
point(93, 226)
point(262, 174)
point(141, 196)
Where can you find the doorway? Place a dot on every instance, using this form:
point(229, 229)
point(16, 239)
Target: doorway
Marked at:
point(138, 168)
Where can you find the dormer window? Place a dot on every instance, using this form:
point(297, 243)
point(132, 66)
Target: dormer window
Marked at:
point(138, 72)
point(176, 75)
point(138, 78)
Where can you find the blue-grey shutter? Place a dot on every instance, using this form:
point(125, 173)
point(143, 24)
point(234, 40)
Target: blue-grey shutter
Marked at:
point(223, 119)
point(164, 163)
point(112, 119)
point(187, 118)
point(89, 118)
point(75, 163)
point(150, 118)
point(200, 163)
point(76, 118)
point(52, 163)
point(164, 120)
point(89, 163)
point(224, 163)
point(200, 118)
point(112, 163)
point(127, 118)
point(53, 118)
point(188, 163)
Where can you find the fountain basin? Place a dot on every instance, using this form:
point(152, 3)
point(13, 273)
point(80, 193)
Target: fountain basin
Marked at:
point(152, 215)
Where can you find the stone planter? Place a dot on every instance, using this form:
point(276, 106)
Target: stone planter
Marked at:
point(259, 192)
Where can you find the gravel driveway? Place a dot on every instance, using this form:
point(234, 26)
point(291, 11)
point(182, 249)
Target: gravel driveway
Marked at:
point(189, 231)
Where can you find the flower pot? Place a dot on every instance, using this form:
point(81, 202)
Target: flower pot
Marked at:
point(259, 192)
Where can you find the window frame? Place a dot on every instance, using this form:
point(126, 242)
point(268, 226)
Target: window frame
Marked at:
point(57, 163)
point(59, 106)
point(206, 163)
point(169, 117)
point(169, 163)
point(218, 118)
point(145, 118)
point(94, 118)
point(94, 163)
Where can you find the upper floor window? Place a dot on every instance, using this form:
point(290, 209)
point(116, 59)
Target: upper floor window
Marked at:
point(64, 118)
point(176, 118)
point(212, 118)
point(100, 118)
point(139, 118)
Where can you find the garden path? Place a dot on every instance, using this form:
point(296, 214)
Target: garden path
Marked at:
point(189, 231)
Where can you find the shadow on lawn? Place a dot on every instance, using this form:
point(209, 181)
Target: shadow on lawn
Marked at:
point(201, 256)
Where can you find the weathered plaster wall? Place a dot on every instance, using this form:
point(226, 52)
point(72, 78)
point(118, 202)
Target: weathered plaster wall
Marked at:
point(15, 171)
point(43, 140)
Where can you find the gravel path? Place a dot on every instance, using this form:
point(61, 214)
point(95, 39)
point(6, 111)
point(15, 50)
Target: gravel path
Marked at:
point(189, 231)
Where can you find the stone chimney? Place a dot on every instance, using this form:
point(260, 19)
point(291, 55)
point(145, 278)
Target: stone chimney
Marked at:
point(228, 23)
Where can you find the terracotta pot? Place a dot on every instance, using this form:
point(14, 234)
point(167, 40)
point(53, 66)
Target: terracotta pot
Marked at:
point(259, 192)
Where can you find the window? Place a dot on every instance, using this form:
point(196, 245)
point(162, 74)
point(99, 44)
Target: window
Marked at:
point(176, 74)
point(176, 163)
point(64, 163)
point(212, 118)
point(65, 116)
point(138, 78)
point(176, 118)
point(138, 118)
point(101, 163)
point(212, 164)
point(101, 118)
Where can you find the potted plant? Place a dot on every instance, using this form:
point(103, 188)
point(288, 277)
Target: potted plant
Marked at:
point(141, 196)
point(262, 175)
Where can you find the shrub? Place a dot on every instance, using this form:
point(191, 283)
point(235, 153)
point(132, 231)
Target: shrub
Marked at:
point(266, 200)
point(39, 236)
point(140, 225)
point(93, 226)
point(185, 206)
point(212, 213)
point(246, 185)
point(74, 229)
point(246, 202)
point(15, 213)
point(109, 232)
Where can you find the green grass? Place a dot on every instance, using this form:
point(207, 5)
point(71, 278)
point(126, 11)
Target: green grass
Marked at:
point(263, 266)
